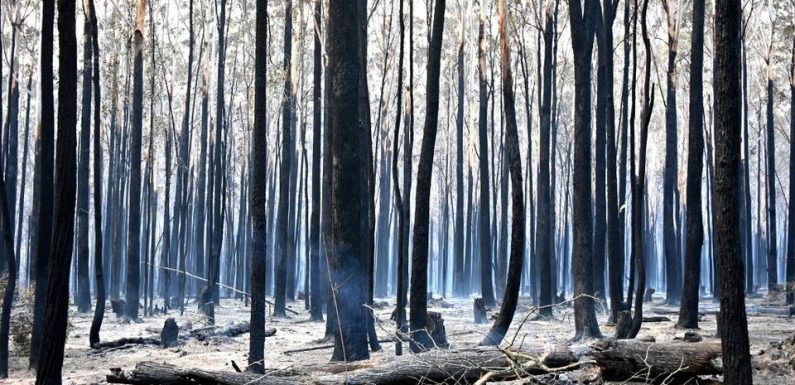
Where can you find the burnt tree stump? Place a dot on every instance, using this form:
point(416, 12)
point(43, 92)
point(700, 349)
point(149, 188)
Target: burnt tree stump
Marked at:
point(479, 309)
point(169, 336)
point(647, 296)
point(623, 324)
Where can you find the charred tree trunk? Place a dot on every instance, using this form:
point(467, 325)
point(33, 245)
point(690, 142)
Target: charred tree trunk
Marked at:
point(419, 273)
point(257, 199)
point(56, 311)
point(615, 244)
point(688, 311)
point(734, 326)
point(45, 175)
point(673, 281)
point(284, 172)
point(544, 252)
point(772, 253)
point(582, 25)
point(791, 226)
point(347, 258)
point(99, 272)
point(638, 251)
point(318, 288)
point(486, 286)
point(460, 285)
point(514, 280)
point(83, 294)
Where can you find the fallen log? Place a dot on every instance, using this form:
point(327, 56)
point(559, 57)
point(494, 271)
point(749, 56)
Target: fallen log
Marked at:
point(150, 373)
point(656, 319)
point(617, 360)
point(127, 341)
point(232, 330)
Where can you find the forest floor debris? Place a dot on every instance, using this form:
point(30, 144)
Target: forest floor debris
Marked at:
point(772, 341)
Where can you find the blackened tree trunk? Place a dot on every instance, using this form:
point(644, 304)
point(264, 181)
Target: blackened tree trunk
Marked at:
point(99, 272)
point(615, 245)
point(673, 282)
point(460, 285)
point(772, 253)
point(347, 258)
point(57, 309)
point(688, 310)
point(134, 216)
point(83, 295)
point(582, 29)
point(258, 201)
point(749, 254)
point(734, 326)
point(544, 233)
point(419, 268)
point(11, 270)
point(10, 147)
point(600, 140)
point(182, 167)
point(486, 286)
point(318, 289)
point(284, 170)
point(514, 281)
point(401, 204)
point(791, 228)
point(45, 174)
point(638, 251)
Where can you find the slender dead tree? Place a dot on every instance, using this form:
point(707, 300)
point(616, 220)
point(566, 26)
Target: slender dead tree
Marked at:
point(83, 294)
point(772, 243)
point(734, 325)
point(401, 206)
point(258, 201)
point(45, 173)
point(582, 30)
point(99, 273)
point(486, 286)
point(638, 251)
point(688, 310)
point(511, 294)
point(791, 228)
point(673, 265)
point(136, 134)
point(57, 309)
point(544, 252)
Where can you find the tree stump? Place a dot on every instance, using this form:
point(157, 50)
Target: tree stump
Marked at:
point(118, 306)
point(691, 336)
point(169, 336)
point(435, 326)
point(647, 296)
point(479, 308)
point(623, 324)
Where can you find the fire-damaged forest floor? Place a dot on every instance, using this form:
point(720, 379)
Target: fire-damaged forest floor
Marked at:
point(771, 329)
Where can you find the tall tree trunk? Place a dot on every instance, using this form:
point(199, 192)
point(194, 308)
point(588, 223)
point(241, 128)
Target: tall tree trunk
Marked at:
point(11, 269)
point(134, 218)
point(181, 211)
point(402, 205)
point(284, 171)
point(673, 282)
point(11, 131)
point(511, 295)
point(772, 253)
point(56, 311)
point(486, 287)
point(582, 25)
point(23, 186)
point(544, 233)
point(316, 274)
point(688, 310)
point(791, 226)
point(748, 249)
point(83, 294)
point(600, 141)
point(734, 326)
point(460, 285)
point(419, 274)
point(347, 258)
point(45, 174)
point(258, 197)
point(615, 244)
point(638, 251)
